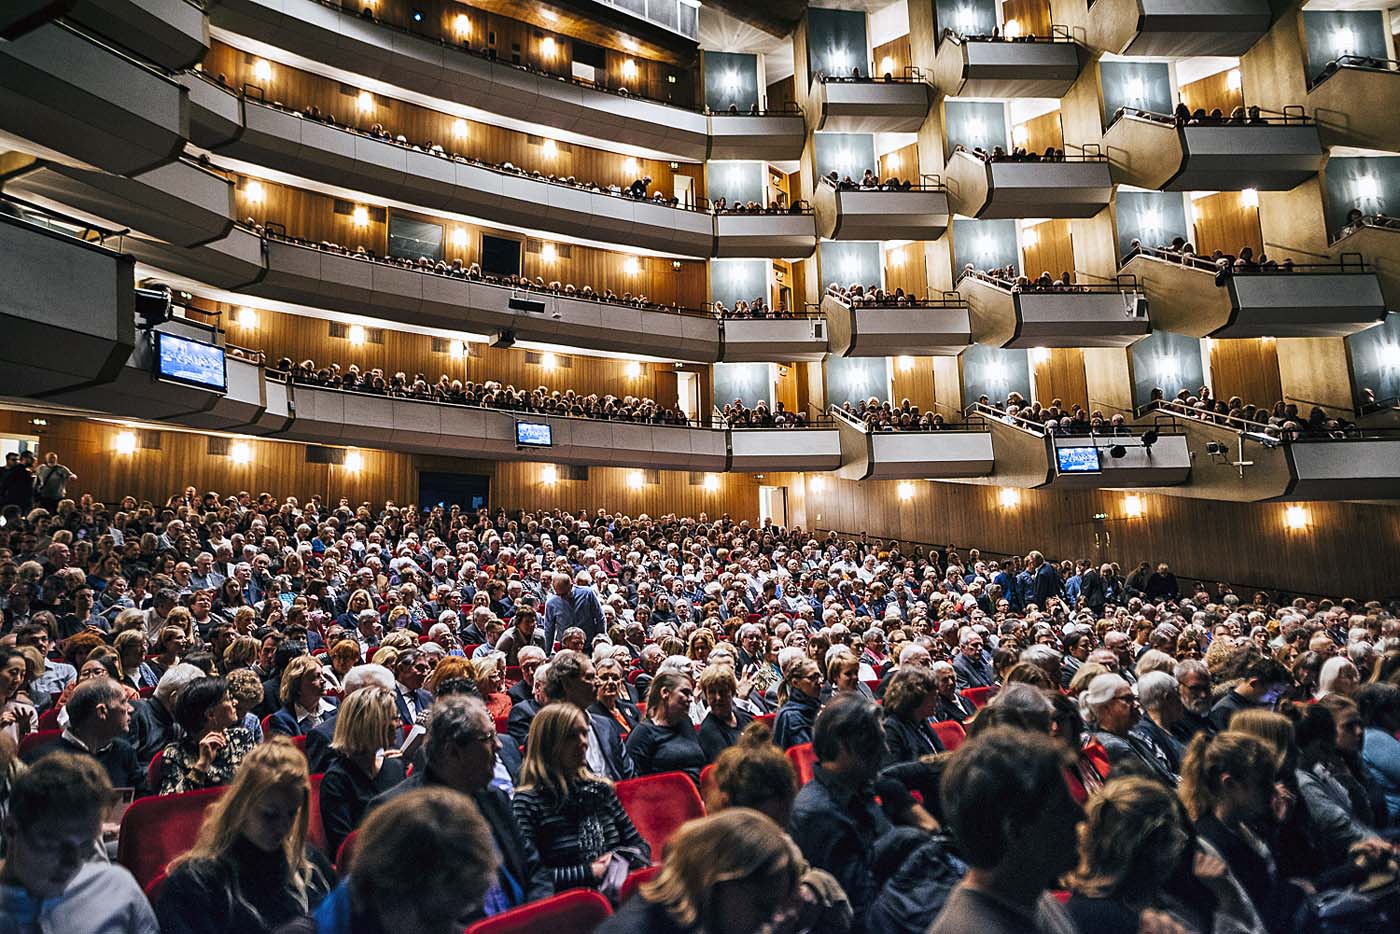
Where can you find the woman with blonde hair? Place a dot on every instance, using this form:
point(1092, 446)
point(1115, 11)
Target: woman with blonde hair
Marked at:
point(251, 867)
point(569, 814)
point(736, 872)
point(490, 672)
point(242, 652)
point(301, 692)
point(130, 646)
point(367, 761)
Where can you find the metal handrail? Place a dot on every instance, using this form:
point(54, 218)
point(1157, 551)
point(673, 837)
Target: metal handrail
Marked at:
point(1058, 33)
point(935, 185)
point(854, 420)
point(1291, 115)
point(912, 74)
point(75, 227)
point(1364, 62)
point(947, 298)
point(1118, 286)
point(788, 109)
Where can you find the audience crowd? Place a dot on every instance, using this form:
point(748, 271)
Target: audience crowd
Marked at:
point(874, 296)
point(473, 687)
point(1009, 278)
point(884, 416)
point(868, 182)
point(1283, 420)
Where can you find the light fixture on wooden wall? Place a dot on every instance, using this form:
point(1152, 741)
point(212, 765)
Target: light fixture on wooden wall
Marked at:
point(549, 474)
point(262, 70)
point(365, 102)
point(360, 217)
point(1132, 506)
point(1295, 517)
point(125, 442)
point(460, 130)
point(354, 461)
point(462, 26)
point(629, 69)
point(905, 490)
point(1009, 497)
point(1250, 197)
point(633, 369)
point(547, 47)
point(240, 452)
point(356, 335)
point(253, 192)
point(905, 364)
point(711, 482)
point(817, 484)
point(246, 317)
point(635, 479)
point(632, 266)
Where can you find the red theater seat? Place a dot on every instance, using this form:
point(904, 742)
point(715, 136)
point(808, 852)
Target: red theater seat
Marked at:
point(578, 911)
point(978, 697)
point(634, 879)
point(37, 740)
point(950, 733)
point(156, 830)
point(659, 805)
point(48, 720)
point(804, 761)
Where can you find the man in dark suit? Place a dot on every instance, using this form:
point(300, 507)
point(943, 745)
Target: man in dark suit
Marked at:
point(410, 670)
point(570, 678)
point(460, 753)
point(531, 657)
point(319, 754)
point(98, 714)
point(951, 704)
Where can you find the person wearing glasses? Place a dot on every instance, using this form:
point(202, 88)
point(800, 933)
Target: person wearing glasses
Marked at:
point(802, 680)
point(1110, 708)
point(971, 664)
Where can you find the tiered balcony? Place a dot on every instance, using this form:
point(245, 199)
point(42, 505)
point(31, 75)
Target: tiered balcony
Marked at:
point(1274, 153)
point(1028, 456)
point(761, 340)
point(1378, 240)
point(772, 136)
point(981, 66)
point(1081, 186)
point(762, 450)
point(323, 32)
point(68, 309)
point(782, 235)
point(1310, 301)
point(1353, 103)
point(936, 327)
point(72, 94)
point(918, 213)
point(173, 34)
point(1177, 28)
point(1004, 315)
point(1241, 461)
point(959, 451)
point(870, 105)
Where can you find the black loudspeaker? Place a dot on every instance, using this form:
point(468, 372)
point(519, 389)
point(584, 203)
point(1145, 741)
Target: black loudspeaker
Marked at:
point(525, 304)
point(503, 339)
point(153, 304)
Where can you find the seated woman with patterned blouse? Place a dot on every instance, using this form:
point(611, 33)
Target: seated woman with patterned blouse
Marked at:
point(212, 747)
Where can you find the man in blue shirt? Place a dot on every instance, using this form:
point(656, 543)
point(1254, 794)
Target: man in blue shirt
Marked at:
point(570, 605)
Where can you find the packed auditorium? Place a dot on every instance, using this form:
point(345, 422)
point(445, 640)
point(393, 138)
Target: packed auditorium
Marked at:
point(699, 467)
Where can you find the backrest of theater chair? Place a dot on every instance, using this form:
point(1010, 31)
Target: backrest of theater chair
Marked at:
point(157, 829)
point(950, 733)
point(502, 723)
point(345, 854)
point(36, 741)
point(634, 880)
point(48, 720)
point(659, 805)
point(155, 887)
point(578, 911)
point(708, 788)
point(804, 761)
point(315, 833)
point(872, 684)
point(767, 718)
point(265, 728)
point(300, 743)
point(978, 697)
point(153, 772)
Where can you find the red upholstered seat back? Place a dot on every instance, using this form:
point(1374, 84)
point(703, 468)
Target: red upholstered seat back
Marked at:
point(804, 761)
point(634, 879)
point(659, 805)
point(37, 740)
point(978, 697)
point(578, 911)
point(155, 830)
point(950, 733)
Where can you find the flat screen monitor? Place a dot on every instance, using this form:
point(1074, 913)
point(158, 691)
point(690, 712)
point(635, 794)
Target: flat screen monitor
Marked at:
point(195, 363)
point(534, 434)
point(1078, 459)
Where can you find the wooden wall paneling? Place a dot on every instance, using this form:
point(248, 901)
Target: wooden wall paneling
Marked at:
point(1211, 92)
point(1042, 132)
point(901, 163)
point(782, 93)
point(785, 388)
point(1059, 374)
point(311, 215)
point(1247, 368)
point(518, 485)
point(897, 50)
point(905, 269)
point(1033, 16)
point(1224, 222)
point(913, 380)
point(1053, 250)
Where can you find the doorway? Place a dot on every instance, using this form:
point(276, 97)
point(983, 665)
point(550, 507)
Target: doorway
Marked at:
point(684, 189)
point(772, 504)
point(466, 490)
point(688, 393)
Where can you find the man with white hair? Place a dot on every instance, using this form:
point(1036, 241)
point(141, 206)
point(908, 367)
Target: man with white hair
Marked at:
point(153, 726)
point(571, 606)
point(951, 704)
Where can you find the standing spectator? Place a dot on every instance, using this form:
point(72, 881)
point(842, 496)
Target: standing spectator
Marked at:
point(1162, 584)
point(17, 482)
point(51, 482)
point(571, 606)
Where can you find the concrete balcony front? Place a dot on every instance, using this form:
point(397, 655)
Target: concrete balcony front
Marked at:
point(1176, 28)
point(999, 68)
point(774, 136)
point(1238, 461)
point(869, 105)
point(765, 450)
point(75, 96)
point(1092, 316)
point(173, 34)
point(1355, 104)
point(1076, 188)
point(958, 452)
point(921, 213)
point(761, 340)
point(1311, 301)
point(1149, 150)
point(765, 236)
point(68, 311)
point(463, 76)
point(937, 327)
point(1379, 245)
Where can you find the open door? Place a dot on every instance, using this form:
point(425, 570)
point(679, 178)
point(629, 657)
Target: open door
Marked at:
point(772, 504)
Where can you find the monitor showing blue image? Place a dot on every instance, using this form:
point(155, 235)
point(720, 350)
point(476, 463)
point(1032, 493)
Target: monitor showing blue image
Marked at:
point(192, 362)
point(534, 434)
point(1078, 459)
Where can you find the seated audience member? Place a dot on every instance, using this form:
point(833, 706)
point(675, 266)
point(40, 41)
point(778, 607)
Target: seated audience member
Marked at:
point(531, 657)
point(1379, 705)
point(98, 716)
point(460, 753)
point(304, 705)
point(48, 880)
point(1338, 676)
point(251, 867)
point(735, 872)
point(1347, 766)
point(569, 814)
point(1336, 820)
point(1006, 804)
point(319, 754)
point(951, 704)
point(665, 740)
point(1110, 710)
point(367, 761)
point(1159, 695)
point(1193, 678)
point(153, 725)
point(910, 701)
point(489, 672)
point(836, 821)
point(518, 723)
point(18, 715)
point(570, 678)
point(423, 862)
point(1262, 683)
point(611, 696)
point(725, 722)
point(802, 679)
point(753, 773)
point(210, 748)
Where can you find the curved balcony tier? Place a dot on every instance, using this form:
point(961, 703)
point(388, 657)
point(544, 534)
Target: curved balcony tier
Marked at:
point(72, 94)
point(1379, 243)
point(1076, 188)
point(870, 105)
point(1087, 316)
point(774, 449)
point(999, 68)
point(937, 327)
point(1150, 151)
point(1311, 301)
point(761, 340)
point(1355, 104)
point(774, 136)
point(957, 452)
point(765, 236)
point(920, 213)
point(1177, 28)
point(173, 34)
